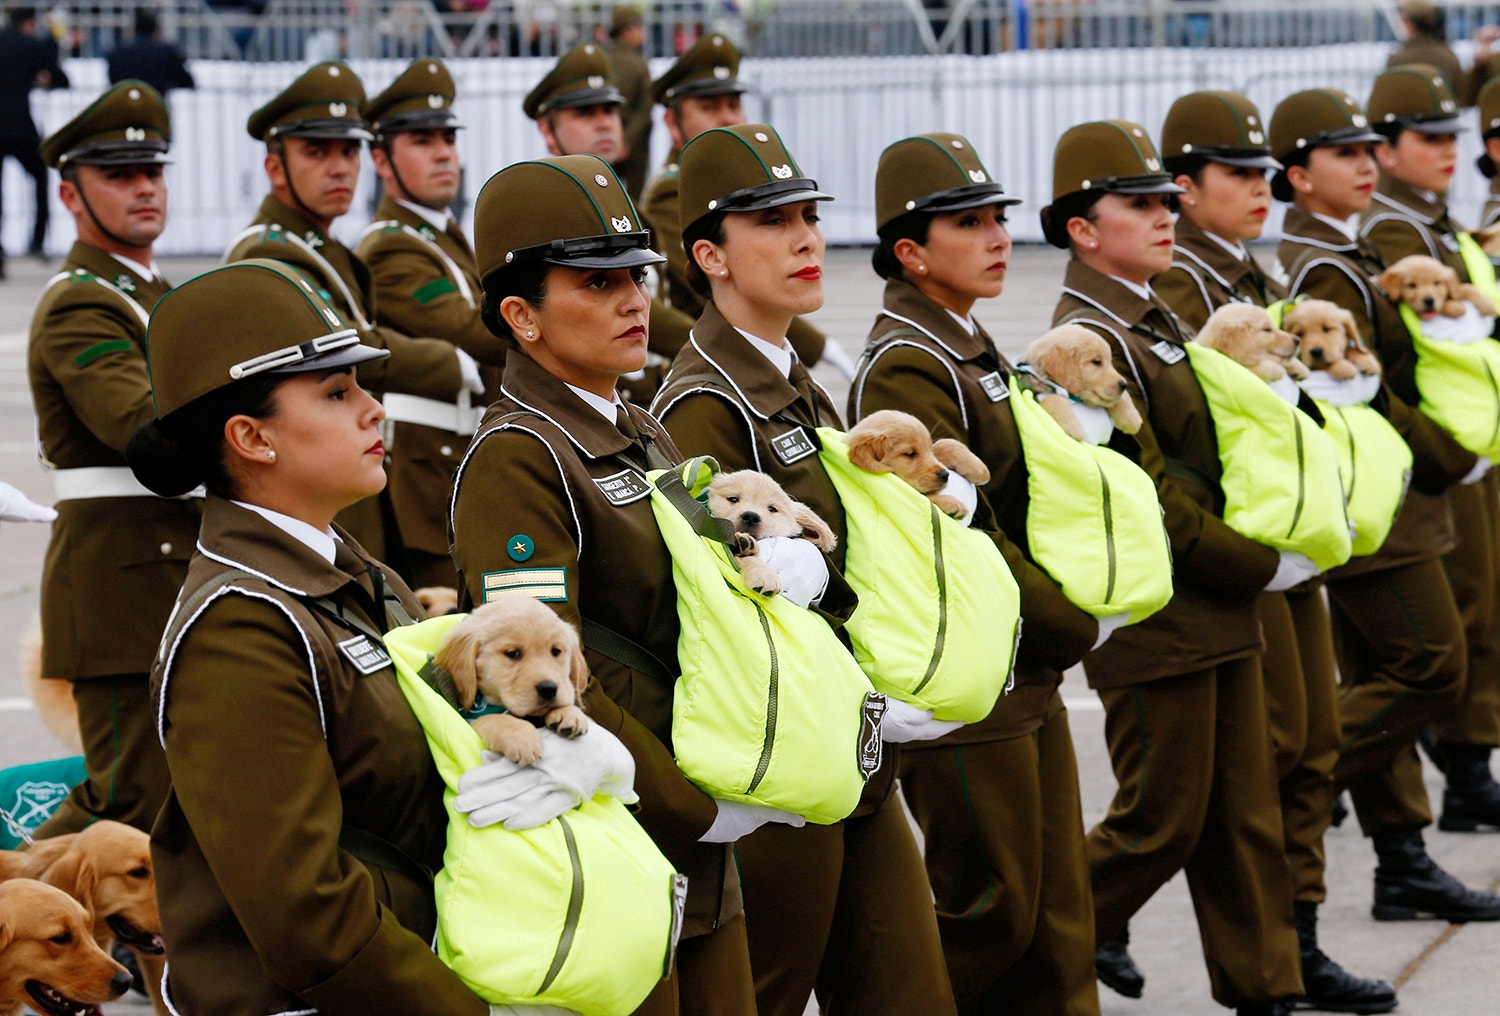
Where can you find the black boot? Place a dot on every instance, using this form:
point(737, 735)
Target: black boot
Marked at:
point(1340, 810)
point(1471, 801)
point(1113, 966)
point(1409, 886)
point(1329, 987)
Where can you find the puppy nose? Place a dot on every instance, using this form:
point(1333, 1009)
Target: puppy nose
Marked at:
point(942, 476)
point(750, 518)
point(1121, 384)
point(546, 690)
point(121, 982)
point(1318, 352)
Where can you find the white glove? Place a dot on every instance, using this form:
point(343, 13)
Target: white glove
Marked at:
point(964, 492)
point(1476, 474)
point(904, 722)
point(530, 1010)
point(17, 507)
point(468, 369)
point(736, 819)
point(800, 566)
point(835, 357)
point(1108, 625)
point(569, 772)
point(1293, 570)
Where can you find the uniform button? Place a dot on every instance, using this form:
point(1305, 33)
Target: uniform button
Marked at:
point(166, 548)
point(446, 449)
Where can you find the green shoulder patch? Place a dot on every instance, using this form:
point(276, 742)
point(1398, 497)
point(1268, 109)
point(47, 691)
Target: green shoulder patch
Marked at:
point(550, 585)
point(99, 349)
point(433, 290)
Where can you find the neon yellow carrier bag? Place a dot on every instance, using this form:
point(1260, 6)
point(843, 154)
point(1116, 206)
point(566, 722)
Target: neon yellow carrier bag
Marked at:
point(1459, 386)
point(1375, 467)
point(580, 912)
point(1094, 522)
point(1280, 471)
point(770, 707)
point(939, 611)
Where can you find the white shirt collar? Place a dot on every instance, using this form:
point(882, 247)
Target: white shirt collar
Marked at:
point(1234, 247)
point(781, 357)
point(1144, 292)
point(321, 544)
point(604, 407)
point(1431, 197)
point(1349, 227)
point(967, 322)
point(439, 218)
point(148, 272)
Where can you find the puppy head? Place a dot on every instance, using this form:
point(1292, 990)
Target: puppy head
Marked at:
point(754, 503)
point(1080, 361)
point(48, 956)
point(1324, 331)
point(437, 600)
point(1245, 333)
point(1422, 283)
point(519, 653)
point(889, 441)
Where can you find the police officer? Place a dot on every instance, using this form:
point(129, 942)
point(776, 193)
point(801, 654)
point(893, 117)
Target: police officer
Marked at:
point(627, 35)
point(997, 801)
point(1215, 144)
point(1489, 126)
point(577, 109)
point(312, 132)
point(118, 553)
point(702, 90)
point(1412, 110)
point(1400, 640)
point(1183, 687)
point(426, 283)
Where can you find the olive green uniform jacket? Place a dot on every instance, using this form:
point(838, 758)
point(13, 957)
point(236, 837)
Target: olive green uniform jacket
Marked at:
point(277, 742)
point(633, 79)
point(1205, 276)
point(920, 360)
point(555, 503)
point(1217, 573)
point(1490, 214)
point(426, 282)
point(1424, 49)
point(1401, 221)
point(113, 564)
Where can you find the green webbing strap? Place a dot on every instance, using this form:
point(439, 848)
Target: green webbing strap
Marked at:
point(1177, 469)
point(612, 645)
point(695, 511)
point(382, 853)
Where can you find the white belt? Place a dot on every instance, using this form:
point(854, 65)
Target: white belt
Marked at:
point(459, 417)
point(102, 481)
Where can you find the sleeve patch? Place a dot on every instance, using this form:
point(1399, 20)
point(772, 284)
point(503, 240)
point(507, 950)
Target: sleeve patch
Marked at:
point(550, 585)
point(99, 349)
point(433, 290)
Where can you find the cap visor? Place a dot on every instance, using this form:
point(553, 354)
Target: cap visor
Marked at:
point(1245, 161)
point(709, 86)
point(1165, 186)
point(123, 159)
point(1448, 125)
point(777, 200)
point(963, 198)
point(333, 359)
point(635, 257)
point(353, 132)
point(435, 120)
point(585, 97)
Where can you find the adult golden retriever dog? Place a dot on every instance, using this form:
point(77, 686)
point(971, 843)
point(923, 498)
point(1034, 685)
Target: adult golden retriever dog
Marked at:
point(48, 957)
point(890, 441)
point(1079, 362)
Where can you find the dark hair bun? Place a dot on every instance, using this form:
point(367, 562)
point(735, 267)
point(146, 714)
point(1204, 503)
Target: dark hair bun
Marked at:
point(160, 462)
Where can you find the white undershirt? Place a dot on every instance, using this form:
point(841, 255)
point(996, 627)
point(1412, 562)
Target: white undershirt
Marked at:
point(323, 544)
point(967, 322)
point(148, 272)
point(439, 218)
point(781, 357)
point(1144, 292)
point(1235, 247)
point(604, 407)
point(1349, 228)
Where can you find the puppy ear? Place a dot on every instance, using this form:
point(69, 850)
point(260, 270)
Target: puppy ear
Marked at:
point(459, 656)
point(867, 450)
point(1450, 279)
point(74, 874)
point(1350, 329)
point(1390, 281)
point(579, 667)
point(814, 528)
point(7, 936)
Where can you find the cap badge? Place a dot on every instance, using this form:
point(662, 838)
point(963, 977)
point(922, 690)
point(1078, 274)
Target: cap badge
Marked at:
point(1153, 165)
point(333, 72)
point(601, 179)
point(337, 109)
point(762, 137)
point(435, 102)
point(135, 93)
point(596, 80)
point(313, 239)
point(432, 68)
point(622, 224)
point(1359, 120)
point(1256, 138)
point(782, 172)
point(1448, 106)
point(135, 134)
point(976, 175)
point(721, 73)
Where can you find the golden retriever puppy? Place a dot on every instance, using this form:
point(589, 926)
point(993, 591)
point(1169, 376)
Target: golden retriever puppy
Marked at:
point(522, 657)
point(1429, 287)
point(437, 600)
point(1328, 339)
point(890, 441)
point(48, 957)
point(758, 508)
point(53, 698)
point(1078, 361)
point(1245, 333)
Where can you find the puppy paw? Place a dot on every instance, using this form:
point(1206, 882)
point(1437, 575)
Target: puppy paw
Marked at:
point(949, 506)
point(511, 736)
point(744, 545)
point(760, 576)
point(957, 457)
point(1124, 415)
point(567, 721)
point(1297, 369)
point(1343, 370)
point(1269, 370)
point(1063, 413)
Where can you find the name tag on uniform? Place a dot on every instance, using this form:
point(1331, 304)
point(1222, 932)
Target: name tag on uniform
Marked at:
point(1451, 242)
point(365, 654)
point(623, 487)
point(995, 388)
point(792, 446)
point(1168, 352)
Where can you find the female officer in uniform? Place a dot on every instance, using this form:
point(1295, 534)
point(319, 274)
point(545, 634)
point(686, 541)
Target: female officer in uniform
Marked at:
point(1399, 634)
point(294, 851)
point(1214, 144)
point(844, 909)
point(552, 499)
point(998, 800)
point(1186, 719)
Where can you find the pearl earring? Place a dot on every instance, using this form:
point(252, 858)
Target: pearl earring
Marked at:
point(271, 455)
point(1189, 202)
point(922, 269)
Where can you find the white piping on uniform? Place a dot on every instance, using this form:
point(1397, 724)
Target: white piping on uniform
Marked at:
point(925, 331)
point(693, 338)
point(231, 562)
point(749, 424)
point(453, 270)
point(458, 474)
point(1355, 277)
point(859, 388)
point(331, 276)
point(1402, 219)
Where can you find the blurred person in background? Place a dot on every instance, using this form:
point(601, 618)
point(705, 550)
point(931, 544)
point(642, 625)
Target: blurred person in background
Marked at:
point(146, 57)
point(27, 61)
point(1427, 43)
point(627, 38)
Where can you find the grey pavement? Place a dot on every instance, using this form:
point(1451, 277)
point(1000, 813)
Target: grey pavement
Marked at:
point(1441, 970)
